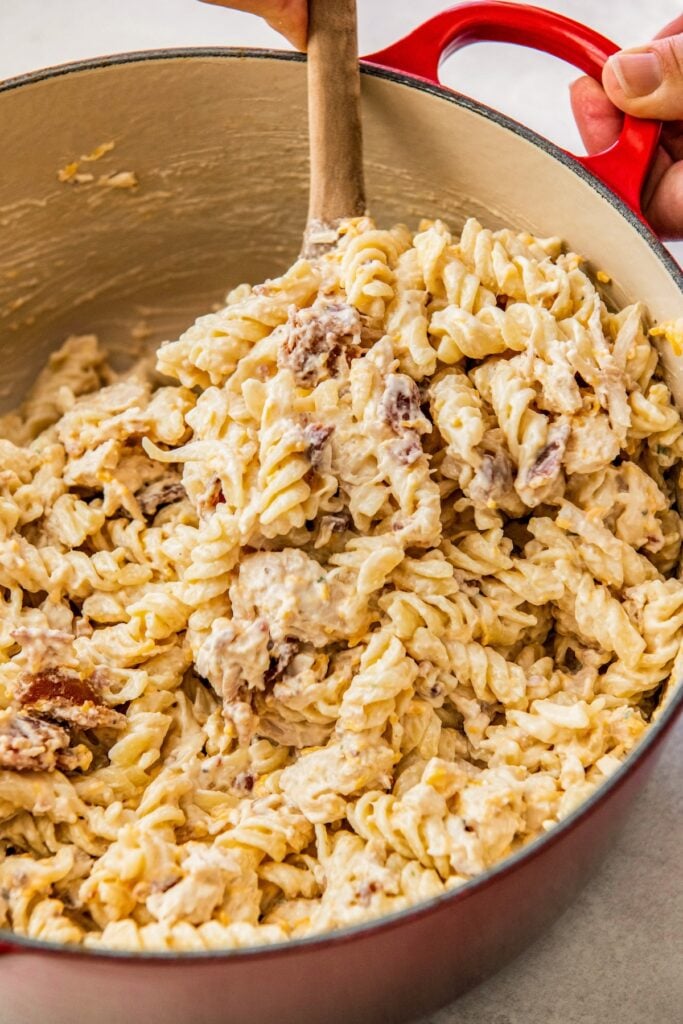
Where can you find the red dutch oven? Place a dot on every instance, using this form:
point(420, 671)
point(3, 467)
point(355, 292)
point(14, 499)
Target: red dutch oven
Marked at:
point(214, 138)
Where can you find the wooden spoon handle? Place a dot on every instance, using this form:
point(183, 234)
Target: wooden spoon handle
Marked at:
point(336, 145)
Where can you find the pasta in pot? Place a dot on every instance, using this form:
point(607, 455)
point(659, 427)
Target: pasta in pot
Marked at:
point(369, 583)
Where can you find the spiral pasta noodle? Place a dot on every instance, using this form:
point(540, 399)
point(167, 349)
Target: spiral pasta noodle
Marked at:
point(377, 581)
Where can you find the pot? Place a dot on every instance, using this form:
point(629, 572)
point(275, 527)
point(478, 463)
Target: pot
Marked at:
point(214, 138)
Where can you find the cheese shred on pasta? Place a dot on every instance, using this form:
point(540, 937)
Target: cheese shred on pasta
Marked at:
point(368, 583)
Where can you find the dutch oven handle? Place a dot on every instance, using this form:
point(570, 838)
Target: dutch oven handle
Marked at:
point(624, 166)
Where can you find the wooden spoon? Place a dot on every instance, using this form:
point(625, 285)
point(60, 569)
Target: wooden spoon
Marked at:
point(337, 187)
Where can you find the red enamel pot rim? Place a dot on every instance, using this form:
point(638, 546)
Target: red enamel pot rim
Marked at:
point(12, 943)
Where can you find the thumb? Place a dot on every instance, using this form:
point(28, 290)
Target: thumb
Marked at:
point(599, 122)
point(647, 81)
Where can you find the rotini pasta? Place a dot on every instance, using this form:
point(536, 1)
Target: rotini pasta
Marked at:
point(382, 584)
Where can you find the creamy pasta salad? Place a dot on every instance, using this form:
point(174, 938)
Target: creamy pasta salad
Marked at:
point(369, 582)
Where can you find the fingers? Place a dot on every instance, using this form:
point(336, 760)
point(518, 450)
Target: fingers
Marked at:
point(648, 80)
point(665, 209)
point(289, 17)
point(598, 120)
point(672, 139)
point(672, 28)
point(660, 165)
point(599, 124)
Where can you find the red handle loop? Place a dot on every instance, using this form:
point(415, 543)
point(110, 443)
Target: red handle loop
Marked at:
point(624, 166)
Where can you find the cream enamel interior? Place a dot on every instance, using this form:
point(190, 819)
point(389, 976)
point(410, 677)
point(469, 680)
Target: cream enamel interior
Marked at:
point(218, 144)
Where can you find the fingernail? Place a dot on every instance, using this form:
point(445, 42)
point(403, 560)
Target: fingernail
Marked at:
point(638, 74)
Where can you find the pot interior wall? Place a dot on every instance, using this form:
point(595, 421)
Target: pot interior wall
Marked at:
point(218, 145)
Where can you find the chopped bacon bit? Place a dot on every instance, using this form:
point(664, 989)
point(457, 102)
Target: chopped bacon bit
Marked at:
point(336, 523)
point(60, 694)
point(244, 782)
point(366, 892)
point(30, 744)
point(54, 685)
point(547, 463)
point(282, 654)
point(400, 403)
point(493, 480)
point(408, 448)
point(330, 525)
point(316, 436)
point(155, 495)
point(320, 339)
point(212, 496)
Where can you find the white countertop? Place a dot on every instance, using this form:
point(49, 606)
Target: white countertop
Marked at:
point(616, 957)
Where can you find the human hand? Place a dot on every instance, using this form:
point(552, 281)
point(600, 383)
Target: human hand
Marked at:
point(290, 17)
point(646, 81)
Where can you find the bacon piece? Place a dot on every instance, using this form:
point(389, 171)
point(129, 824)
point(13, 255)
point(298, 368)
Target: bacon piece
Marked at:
point(211, 498)
point(319, 340)
point(62, 695)
point(330, 525)
point(31, 744)
point(281, 654)
point(548, 462)
point(244, 782)
point(366, 891)
point(336, 523)
point(407, 449)
point(158, 493)
point(316, 436)
point(400, 405)
point(493, 480)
